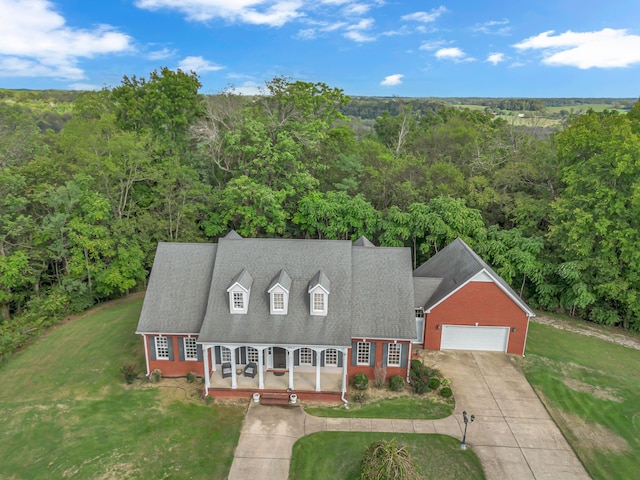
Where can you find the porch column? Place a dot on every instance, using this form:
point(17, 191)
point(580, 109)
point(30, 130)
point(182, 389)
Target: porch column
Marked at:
point(290, 365)
point(260, 367)
point(213, 358)
point(234, 378)
point(318, 362)
point(207, 380)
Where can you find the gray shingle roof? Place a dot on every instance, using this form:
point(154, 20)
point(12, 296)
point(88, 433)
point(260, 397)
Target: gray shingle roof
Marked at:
point(363, 242)
point(424, 288)
point(370, 294)
point(176, 298)
point(244, 279)
point(456, 264)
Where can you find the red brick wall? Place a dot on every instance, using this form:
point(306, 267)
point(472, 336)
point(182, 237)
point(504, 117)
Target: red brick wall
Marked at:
point(369, 371)
point(175, 367)
point(481, 302)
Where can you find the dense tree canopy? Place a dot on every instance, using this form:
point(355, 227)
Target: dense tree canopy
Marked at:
point(83, 206)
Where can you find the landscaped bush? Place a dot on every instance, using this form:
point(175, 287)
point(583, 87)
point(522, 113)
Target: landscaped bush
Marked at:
point(129, 373)
point(191, 377)
point(156, 375)
point(360, 381)
point(434, 383)
point(419, 376)
point(446, 392)
point(385, 460)
point(396, 383)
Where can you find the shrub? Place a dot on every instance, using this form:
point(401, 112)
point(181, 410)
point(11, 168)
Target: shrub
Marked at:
point(446, 392)
point(379, 374)
point(156, 375)
point(434, 383)
point(419, 376)
point(191, 377)
point(385, 460)
point(396, 383)
point(359, 397)
point(129, 373)
point(360, 381)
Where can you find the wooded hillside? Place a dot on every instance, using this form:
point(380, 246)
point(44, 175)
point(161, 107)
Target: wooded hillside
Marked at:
point(83, 206)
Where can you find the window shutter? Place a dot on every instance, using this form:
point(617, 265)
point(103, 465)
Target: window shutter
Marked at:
point(243, 355)
point(170, 343)
point(372, 354)
point(321, 357)
point(385, 354)
point(199, 347)
point(404, 349)
point(218, 353)
point(152, 347)
point(354, 353)
point(181, 349)
point(296, 357)
point(340, 359)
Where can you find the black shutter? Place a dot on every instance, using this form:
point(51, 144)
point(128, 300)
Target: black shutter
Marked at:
point(322, 354)
point(152, 347)
point(218, 353)
point(243, 355)
point(372, 354)
point(181, 349)
point(199, 347)
point(340, 359)
point(170, 343)
point(404, 350)
point(354, 353)
point(296, 357)
point(385, 354)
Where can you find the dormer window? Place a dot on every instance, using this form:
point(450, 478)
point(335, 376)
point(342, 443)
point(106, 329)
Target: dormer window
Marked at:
point(279, 293)
point(239, 293)
point(319, 294)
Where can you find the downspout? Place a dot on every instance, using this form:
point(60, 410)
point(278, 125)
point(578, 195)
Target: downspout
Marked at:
point(345, 361)
point(146, 353)
point(526, 334)
point(409, 362)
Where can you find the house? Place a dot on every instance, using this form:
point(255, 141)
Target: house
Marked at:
point(285, 315)
point(304, 315)
point(464, 304)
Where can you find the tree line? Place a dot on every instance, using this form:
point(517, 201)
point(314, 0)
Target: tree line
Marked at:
point(82, 208)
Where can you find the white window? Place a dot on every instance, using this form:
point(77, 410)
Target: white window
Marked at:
point(362, 353)
point(225, 355)
point(278, 301)
point(306, 356)
point(190, 349)
point(331, 358)
point(162, 348)
point(238, 300)
point(393, 354)
point(252, 355)
point(419, 313)
point(318, 302)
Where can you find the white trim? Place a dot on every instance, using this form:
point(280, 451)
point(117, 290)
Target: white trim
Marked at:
point(389, 364)
point(318, 290)
point(184, 347)
point(155, 344)
point(358, 362)
point(516, 299)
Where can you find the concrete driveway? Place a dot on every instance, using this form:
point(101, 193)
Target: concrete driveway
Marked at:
point(513, 434)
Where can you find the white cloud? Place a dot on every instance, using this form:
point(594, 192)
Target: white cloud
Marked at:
point(36, 41)
point(198, 65)
point(496, 58)
point(493, 27)
point(161, 54)
point(249, 88)
point(84, 87)
point(274, 13)
point(451, 53)
point(356, 32)
point(425, 17)
point(607, 48)
point(392, 80)
point(356, 9)
point(432, 45)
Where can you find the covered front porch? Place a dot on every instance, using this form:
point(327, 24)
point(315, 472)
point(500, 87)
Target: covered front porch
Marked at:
point(309, 371)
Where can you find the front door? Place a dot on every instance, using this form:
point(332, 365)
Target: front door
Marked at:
point(279, 358)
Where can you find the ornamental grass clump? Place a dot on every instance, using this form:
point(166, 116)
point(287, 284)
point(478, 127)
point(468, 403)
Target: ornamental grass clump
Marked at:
point(387, 461)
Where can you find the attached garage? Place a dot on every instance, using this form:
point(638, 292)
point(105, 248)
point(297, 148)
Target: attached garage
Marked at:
point(457, 337)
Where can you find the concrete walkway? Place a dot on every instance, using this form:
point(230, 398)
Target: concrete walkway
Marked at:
point(513, 435)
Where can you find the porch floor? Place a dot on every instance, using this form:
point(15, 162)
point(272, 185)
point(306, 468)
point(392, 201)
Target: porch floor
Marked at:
point(331, 382)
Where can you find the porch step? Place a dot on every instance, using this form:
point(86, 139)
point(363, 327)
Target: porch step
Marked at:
point(274, 398)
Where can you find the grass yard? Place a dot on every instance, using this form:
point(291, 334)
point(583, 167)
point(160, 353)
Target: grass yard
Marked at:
point(67, 412)
point(592, 389)
point(409, 407)
point(337, 455)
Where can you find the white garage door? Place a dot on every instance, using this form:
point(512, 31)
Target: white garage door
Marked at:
point(456, 337)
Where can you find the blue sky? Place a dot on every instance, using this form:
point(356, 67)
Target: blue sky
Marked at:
point(418, 48)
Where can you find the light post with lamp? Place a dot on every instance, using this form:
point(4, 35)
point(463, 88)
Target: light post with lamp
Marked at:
point(466, 420)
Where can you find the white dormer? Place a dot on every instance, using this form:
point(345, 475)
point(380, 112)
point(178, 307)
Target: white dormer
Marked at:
point(279, 293)
point(319, 294)
point(239, 293)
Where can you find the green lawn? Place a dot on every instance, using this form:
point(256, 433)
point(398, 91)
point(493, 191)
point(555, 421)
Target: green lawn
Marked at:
point(592, 389)
point(401, 407)
point(336, 455)
point(68, 414)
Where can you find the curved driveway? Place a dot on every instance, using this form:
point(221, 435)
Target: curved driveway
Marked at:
point(513, 435)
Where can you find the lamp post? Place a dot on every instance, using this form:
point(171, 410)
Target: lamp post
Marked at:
point(466, 420)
